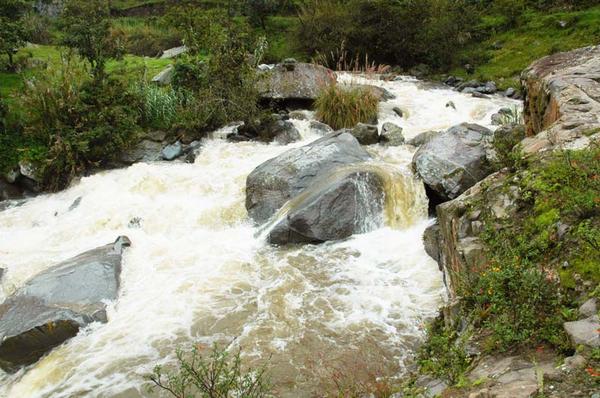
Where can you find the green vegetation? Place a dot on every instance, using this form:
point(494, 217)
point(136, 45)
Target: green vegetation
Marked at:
point(342, 107)
point(12, 32)
point(218, 374)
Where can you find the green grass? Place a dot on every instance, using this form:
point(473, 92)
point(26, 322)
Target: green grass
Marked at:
point(131, 67)
point(538, 36)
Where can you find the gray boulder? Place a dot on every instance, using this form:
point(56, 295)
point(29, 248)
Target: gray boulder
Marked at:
point(455, 160)
point(277, 180)
point(276, 128)
point(366, 134)
point(589, 308)
point(584, 332)
point(391, 135)
point(423, 138)
point(431, 241)
point(52, 306)
point(172, 151)
point(334, 207)
point(302, 82)
point(144, 151)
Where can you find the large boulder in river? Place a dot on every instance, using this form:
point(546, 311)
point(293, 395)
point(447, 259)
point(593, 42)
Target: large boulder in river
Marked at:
point(293, 81)
point(455, 160)
point(349, 200)
point(276, 181)
point(52, 306)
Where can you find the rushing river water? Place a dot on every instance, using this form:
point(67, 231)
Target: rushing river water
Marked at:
point(200, 272)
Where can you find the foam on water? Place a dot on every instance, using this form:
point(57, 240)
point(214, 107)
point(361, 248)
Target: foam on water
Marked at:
point(197, 272)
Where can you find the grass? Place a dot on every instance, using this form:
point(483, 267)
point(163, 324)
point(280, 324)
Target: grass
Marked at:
point(130, 66)
point(539, 35)
point(344, 108)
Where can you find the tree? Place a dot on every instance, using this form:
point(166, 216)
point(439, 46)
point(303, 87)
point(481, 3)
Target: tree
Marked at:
point(87, 29)
point(12, 33)
point(259, 10)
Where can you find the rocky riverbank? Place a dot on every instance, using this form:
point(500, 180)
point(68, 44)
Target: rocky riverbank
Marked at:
point(562, 111)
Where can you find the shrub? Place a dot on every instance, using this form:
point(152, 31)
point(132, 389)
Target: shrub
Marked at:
point(12, 33)
point(76, 122)
point(342, 107)
point(216, 375)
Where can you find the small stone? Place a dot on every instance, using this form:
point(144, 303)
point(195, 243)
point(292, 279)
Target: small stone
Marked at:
point(391, 135)
point(450, 104)
point(75, 204)
point(510, 92)
point(575, 362)
point(320, 128)
point(366, 134)
point(135, 222)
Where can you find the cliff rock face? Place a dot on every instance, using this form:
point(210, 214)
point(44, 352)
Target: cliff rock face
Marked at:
point(562, 106)
point(562, 111)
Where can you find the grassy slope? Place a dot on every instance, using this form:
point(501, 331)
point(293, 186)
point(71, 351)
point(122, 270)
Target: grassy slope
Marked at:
point(539, 35)
point(131, 66)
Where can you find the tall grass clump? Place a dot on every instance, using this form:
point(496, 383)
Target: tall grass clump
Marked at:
point(342, 107)
point(159, 105)
point(216, 374)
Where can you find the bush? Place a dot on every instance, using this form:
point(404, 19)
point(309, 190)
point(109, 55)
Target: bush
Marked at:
point(346, 107)
point(216, 375)
point(76, 122)
point(145, 37)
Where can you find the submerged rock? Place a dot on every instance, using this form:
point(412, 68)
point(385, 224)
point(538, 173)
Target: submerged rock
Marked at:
point(144, 151)
point(334, 207)
point(52, 306)
point(276, 181)
point(172, 151)
point(455, 160)
point(320, 128)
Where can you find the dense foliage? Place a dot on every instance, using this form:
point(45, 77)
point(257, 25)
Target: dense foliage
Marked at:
point(75, 122)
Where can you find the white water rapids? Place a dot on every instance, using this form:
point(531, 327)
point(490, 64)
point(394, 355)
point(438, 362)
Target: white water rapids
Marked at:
point(198, 272)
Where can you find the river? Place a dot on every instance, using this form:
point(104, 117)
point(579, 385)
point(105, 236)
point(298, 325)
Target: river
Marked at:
point(199, 272)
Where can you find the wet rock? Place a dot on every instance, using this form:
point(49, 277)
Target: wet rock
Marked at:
point(455, 160)
point(510, 92)
point(589, 308)
point(450, 104)
point(337, 206)
point(320, 128)
point(2, 271)
point(165, 76)
point(174, 52)
point(283, 132)
point(192, 151)
point(144, 151)
point(431, 241)
point(469, 84)
point(276, 128)
point(9, 191)
point(398, 111)
point(584, 332)
point(11, 176)
point(172, 151)
point(135, 222)
point(276, 181)
point(75, 203)
point(303, 83)
point(391, 135)
point(298, 115)
point(423, 138)
point(52, 306)
point(501, 117)
point(479, 95)
point(29, 170)
point(366, 134)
